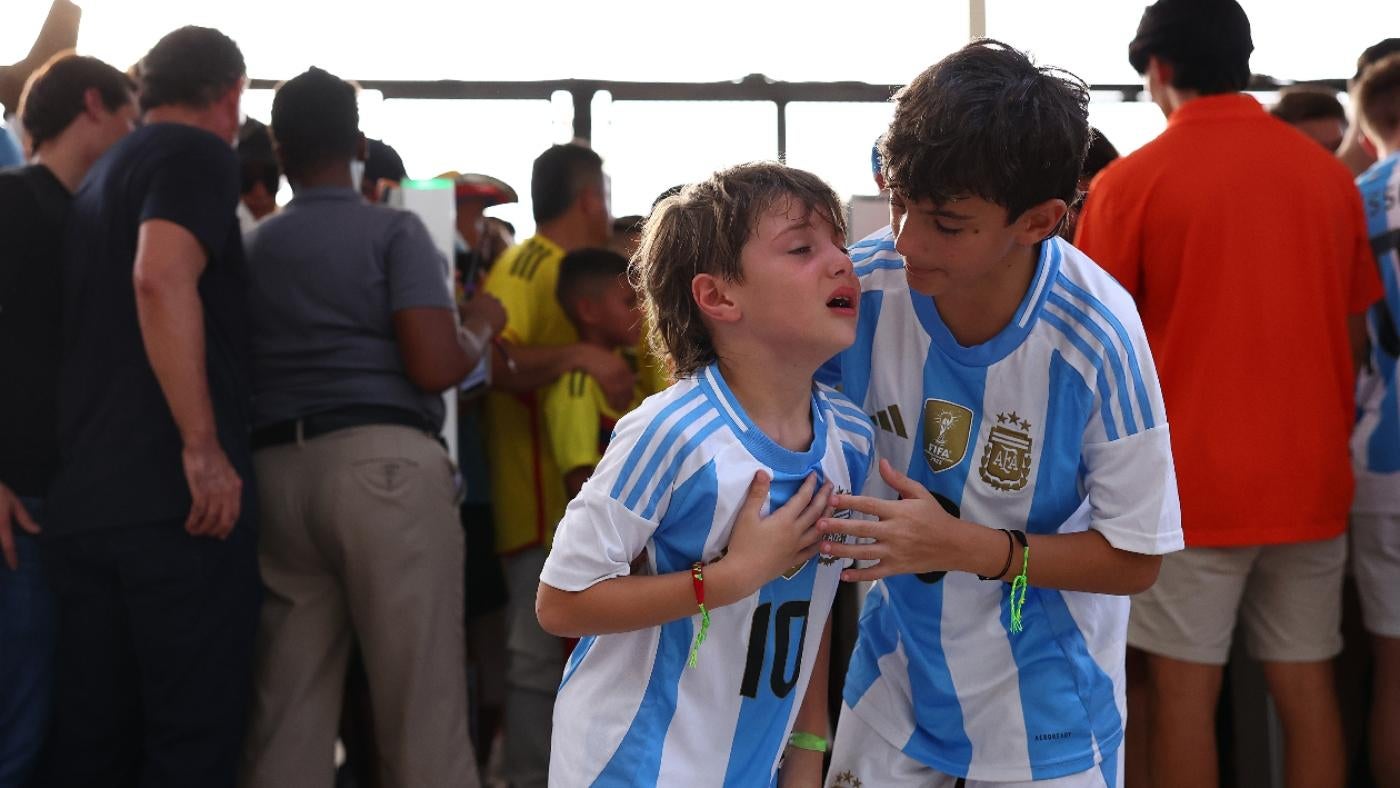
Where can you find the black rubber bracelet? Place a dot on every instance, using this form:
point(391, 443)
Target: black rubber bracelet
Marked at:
point(1010, 549)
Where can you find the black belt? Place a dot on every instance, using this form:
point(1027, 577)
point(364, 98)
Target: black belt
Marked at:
point(318, 424)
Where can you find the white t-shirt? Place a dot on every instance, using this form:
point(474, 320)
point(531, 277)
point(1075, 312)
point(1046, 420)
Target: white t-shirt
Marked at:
point(629, 711)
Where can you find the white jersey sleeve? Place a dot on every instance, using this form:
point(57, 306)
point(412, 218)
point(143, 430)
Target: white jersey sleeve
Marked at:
point(608, 525)
point(1128, 472)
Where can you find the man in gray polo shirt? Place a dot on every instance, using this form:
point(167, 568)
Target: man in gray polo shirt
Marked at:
point(354, 337)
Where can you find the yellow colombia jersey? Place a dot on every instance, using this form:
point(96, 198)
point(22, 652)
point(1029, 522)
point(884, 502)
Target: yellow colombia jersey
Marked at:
point(579, 421)
point(652, 374)
point(527, 488)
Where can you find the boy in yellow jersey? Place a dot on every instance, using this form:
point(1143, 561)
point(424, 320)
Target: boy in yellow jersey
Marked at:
point(602, 305)
point(570, 200)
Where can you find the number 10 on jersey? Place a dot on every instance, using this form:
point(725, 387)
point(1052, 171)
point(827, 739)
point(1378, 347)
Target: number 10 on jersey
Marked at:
point(783, 675)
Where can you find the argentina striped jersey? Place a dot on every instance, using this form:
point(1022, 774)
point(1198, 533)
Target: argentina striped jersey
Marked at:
point(1055, 425)
point(1375, 443)
point(629, 711)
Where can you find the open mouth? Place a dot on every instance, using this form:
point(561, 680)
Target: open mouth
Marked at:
point(843, 300)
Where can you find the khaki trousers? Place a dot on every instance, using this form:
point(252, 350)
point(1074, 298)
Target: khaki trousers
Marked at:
point(360, 538)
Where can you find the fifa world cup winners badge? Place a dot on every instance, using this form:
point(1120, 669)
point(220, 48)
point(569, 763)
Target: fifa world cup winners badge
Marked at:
point(1006, 459)
point(947, 432)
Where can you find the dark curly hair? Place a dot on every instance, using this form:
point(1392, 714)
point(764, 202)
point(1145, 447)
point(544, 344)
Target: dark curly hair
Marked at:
point(986, 121)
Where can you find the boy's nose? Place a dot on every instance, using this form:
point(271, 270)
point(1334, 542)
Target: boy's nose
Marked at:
point(840, 261)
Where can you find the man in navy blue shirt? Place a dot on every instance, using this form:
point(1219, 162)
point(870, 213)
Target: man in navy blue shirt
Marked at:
point(151, 542)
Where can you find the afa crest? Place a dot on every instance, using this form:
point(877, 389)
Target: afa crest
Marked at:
point(1006, 458)
point(947, 432)
point(839, 514)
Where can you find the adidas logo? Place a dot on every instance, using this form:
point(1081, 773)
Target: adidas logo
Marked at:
point(889, 420)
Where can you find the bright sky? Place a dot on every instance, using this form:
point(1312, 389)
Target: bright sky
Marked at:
point(650, 146)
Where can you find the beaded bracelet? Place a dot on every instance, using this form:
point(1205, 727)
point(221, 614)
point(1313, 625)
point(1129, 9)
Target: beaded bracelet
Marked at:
point(697, 580)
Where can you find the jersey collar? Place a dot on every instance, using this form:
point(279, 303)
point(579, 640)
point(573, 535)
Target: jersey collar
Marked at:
point(1000, 346)
point(763, 448)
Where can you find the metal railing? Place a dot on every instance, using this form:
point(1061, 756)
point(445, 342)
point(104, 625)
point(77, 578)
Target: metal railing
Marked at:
point(754, 87)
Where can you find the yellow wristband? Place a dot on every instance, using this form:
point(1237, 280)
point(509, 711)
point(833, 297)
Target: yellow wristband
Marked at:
point(808, 741)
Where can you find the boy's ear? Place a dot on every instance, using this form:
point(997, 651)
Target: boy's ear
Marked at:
point(711, 294)
point(1040, 221)
point(93, 105)
point(591, 202)
point(1367, 144)
point(587, 310)
point(1161, 70)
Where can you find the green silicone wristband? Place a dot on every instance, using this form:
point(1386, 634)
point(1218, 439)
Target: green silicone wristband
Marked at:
point(808, 741)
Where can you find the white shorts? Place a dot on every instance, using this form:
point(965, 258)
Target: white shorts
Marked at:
point(1285, 598)
point(861, 758)
point(1375, 560)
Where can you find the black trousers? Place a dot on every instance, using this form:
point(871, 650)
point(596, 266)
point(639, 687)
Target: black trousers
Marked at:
point(153, 660)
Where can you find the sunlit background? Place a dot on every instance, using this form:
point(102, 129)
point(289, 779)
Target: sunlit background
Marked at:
point(649, 146)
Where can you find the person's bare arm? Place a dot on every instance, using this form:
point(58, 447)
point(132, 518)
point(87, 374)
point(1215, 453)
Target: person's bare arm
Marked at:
point(915, 535)
point(536, 366)
point(169, 263)
point(11, 509)
point(436, 353)
point(803, 768)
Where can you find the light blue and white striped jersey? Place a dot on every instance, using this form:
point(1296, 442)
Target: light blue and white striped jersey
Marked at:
point(629, 711)
point(1375, 442)
point(1055, 425)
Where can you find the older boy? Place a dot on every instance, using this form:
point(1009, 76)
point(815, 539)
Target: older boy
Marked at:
point(1022, 425)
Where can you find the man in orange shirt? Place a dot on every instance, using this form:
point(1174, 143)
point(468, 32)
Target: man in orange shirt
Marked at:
point(1244, 244)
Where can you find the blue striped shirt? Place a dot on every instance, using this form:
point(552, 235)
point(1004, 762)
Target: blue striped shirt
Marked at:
point(629, 713)
point(1055, 425)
